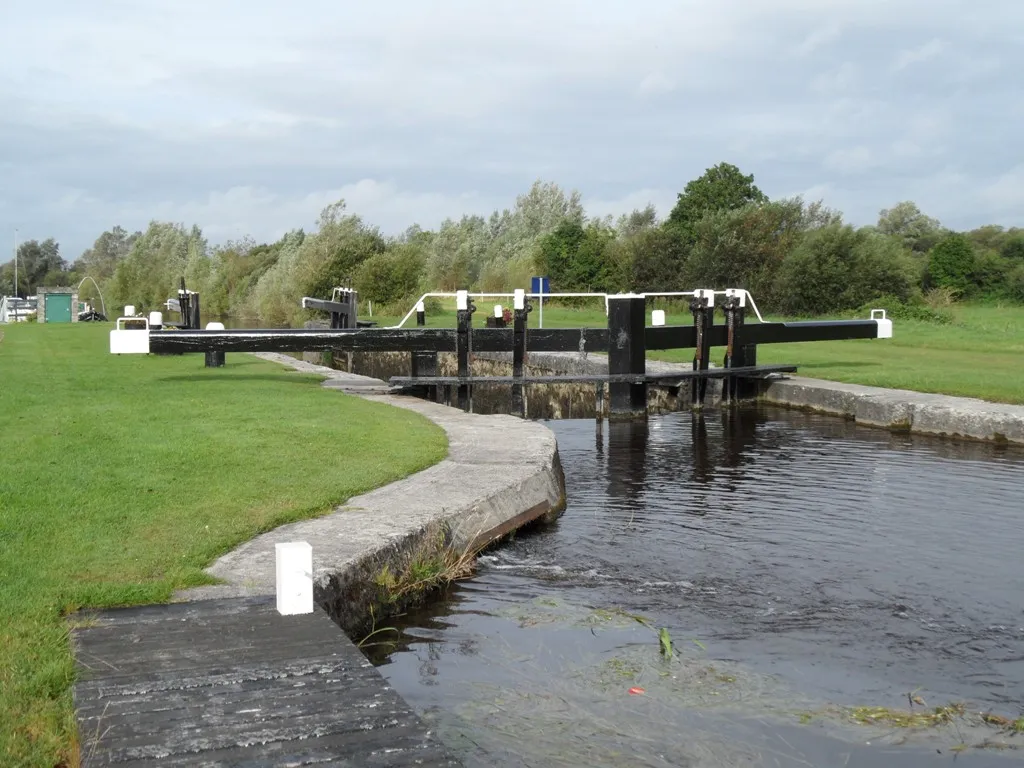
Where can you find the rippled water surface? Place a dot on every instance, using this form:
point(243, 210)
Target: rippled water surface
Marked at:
point(799, 563)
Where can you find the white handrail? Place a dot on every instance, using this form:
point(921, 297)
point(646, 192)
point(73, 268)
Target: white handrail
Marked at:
point(479, 295)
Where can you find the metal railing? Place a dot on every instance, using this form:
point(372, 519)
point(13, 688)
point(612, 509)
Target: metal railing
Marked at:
point(417, 306)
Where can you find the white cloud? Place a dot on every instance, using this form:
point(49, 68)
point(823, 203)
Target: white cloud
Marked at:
point(816, 39)
point(656, 83)
point(918, 55)
point(850, 160)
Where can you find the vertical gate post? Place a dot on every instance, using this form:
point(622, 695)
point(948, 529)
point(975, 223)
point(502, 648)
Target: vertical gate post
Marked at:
point(214, 359)
point(464, 345)
point(421, 314)
point(519, 313)
point(703, 308)
point(732, 306)
point(425, 364)
point(627, 353)
point(196, 317)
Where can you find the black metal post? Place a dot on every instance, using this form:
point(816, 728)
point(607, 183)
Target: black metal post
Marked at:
point(519, 320)
point(214, 359)
point(421, 319)
point(196, 318)
point(702, 307)
point(627, 353)
point(463, 349)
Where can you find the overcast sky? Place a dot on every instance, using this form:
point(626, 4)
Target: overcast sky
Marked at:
point(248, 117)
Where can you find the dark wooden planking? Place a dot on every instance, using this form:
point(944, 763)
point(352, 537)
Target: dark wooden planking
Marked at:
point(810, 330)
point(231, 682)
point(302, 340)
point(588, 378)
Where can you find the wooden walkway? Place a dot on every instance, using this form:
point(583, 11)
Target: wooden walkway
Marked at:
point(232, 682)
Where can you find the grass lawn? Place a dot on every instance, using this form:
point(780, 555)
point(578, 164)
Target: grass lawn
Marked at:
point(123, 477)
point(980, 355)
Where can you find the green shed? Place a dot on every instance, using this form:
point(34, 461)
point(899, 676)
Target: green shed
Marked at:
point(56, 305)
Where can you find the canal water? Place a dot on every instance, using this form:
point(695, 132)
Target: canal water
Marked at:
point(801, 567)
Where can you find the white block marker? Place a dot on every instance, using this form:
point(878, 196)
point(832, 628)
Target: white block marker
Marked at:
point(294, 578)
point(658, 317)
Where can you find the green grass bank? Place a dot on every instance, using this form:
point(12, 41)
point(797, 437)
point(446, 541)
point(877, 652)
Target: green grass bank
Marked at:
point(980, 354)
point(123, 477)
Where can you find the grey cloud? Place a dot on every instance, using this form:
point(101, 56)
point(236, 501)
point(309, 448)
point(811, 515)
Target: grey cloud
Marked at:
point(247, 116)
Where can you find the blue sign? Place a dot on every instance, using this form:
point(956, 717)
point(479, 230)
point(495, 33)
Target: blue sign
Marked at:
point(540, 285)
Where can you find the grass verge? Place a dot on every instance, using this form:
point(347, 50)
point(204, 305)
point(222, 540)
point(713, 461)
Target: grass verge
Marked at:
point(123, 477)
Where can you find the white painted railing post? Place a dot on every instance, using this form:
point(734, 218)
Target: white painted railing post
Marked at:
point(294, 578)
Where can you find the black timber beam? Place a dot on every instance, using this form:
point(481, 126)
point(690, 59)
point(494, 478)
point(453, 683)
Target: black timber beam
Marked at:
point(685, 337)
point(667, 379)
point(303, 340)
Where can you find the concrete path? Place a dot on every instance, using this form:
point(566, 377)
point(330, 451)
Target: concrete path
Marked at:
point(501, 473)
point(902, 409)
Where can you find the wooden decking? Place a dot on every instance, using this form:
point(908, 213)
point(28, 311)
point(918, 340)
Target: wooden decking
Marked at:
point(232, 682)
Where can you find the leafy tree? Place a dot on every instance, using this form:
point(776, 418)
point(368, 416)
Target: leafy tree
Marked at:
point(905, 222)
point(656, 258)
point(110, 248)
point(988, 275)
point(391, 275)
point(557, 252)
point(1015, 283)
point(951, 263)
point(744, 247)
point(721, 188)
point(837, 267)
point(630, 224)
point(1013, 246)
point(39, 265)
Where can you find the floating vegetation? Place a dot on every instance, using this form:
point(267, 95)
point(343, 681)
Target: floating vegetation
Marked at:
point(955, 718)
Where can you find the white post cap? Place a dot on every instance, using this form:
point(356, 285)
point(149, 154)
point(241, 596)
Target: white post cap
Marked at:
point(658, 317)
point(294, 577)
point(519, 299)
point(462, 299)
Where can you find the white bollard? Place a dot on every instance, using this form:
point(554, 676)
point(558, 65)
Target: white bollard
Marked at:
point(658, 317)
point(421, 307)
point(215, 326)
point(129, 310)
point(156, 319)
point(462, 299)
point(519, 299)
point(294, 578)
point(497, 311)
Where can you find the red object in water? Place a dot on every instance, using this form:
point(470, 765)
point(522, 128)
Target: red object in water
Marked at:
point(636, 691)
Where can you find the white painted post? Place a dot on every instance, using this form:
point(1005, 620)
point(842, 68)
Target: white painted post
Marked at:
point(462, 299)
point(294, 578)
point(519, 299)
point(497, 310)
point(129, 310)
point(658, 317)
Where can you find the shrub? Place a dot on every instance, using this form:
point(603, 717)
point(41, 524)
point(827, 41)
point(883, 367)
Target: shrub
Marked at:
point(951, 263)
point(898, 309)
point(1015, 283)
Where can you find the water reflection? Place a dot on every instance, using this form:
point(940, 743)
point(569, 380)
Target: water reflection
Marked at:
point(810, 561)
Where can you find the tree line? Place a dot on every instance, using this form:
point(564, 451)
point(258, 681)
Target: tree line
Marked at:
point(795, 257)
